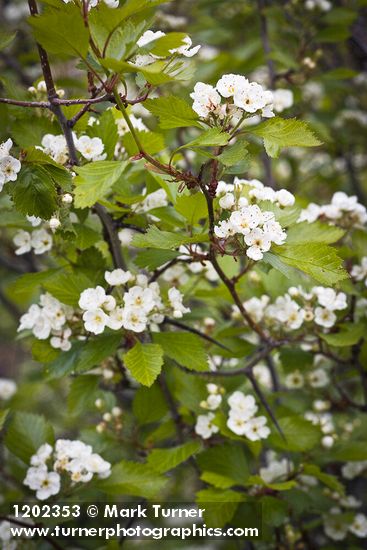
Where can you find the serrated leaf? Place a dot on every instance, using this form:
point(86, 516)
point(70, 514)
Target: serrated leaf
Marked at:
point(144, 361)
point(34, 192)
point(192, 207)
point(67, 286)
point(220, 505)
point(348, 334)
point(61, 31)
point(82, 393)
point(317, 232)
point(173, 112)
point(234, 154)
point(316, 259)
point(186, 349)
point(299, 433)
point(143, 399)
point(278, 132)
point(95, 180)
point(133, 478)
point(214, 137)
point(163, 460)
point(26, 433)
point(151, 259)
point(224, 465)
point(155, 238)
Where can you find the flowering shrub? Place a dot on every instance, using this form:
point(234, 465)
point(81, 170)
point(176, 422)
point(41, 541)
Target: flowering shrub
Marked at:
point(184, 262)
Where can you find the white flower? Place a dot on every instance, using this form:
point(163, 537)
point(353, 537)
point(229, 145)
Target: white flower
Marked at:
point(140, 298)
point(230, 83)
point(204, 425)
point(54, 223)
point(224, 229)
point(258, 242)
point(335, 528)
point(43, 482)
point(92, 298)
point(251, 97)
point(328, 298)
point(95, 320)
point(284, 198)
point(350, 470)
point(236, 423)
point(5, 147)
point(117, 277)
point(34, 220)
point(156, 199)
point(134, 318)
point(41, 241)
point(112, 3)
point(175, 297)
point(359, 526)
point(324, 317)
point(276, 469)
point(294, 380)
point(9, 168)
point(56, 147)
point(256, 428)
point(95, 464)
point(242, 405)
point(90, 148)
point(22, 241)
point(282, 99)
point(206, 99)
point(67, 198)
point(148, 37)
point(318, 378)
point(255, 307)
point(359, 272)
point(62, 341)
point(186, 49)
point(7, 388)
point(227, 201)
point(42, 455)
point(125, 236)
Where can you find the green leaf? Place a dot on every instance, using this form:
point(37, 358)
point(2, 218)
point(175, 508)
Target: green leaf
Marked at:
point(184, 348)
point(26, 433)
point(349, 451)
point(106, 129)
point(278, 132)
point(316, 259)
point(224, 465)
point(173, 112)
point(67, 286)
point(348, 334)
point(26, 285)
point(155, 238)
point(220, 505)
point(162, 460)
point(143, 399)
point(61, 31)
point(327, 479)
point(144, 361)
point(34, 192)
point(43, 352)
point(85, 236)
point(84, 355)
point(133, 478)
point(162, 46)
point(234, 154)
point(95, 180)
point(318, 232)
point(82, 393)
point(3, 416)
point(192, 207)
point(6, 38)
point(150, 141)
point(153, 258)
point(214, 137)
point(300, 434)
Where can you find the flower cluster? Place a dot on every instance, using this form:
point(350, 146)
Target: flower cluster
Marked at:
point(40, 241)
point(141, 305)
point(49, 318)
point(73, 458)
point(318, 305)
point(336, 527)
point(257, 229)
point(241, 98)
point(56, 147)
point(9, 166)
point(343, 210)
point(242, 419)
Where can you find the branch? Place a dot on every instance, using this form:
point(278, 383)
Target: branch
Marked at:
point(110, 235)
point(178, 324)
